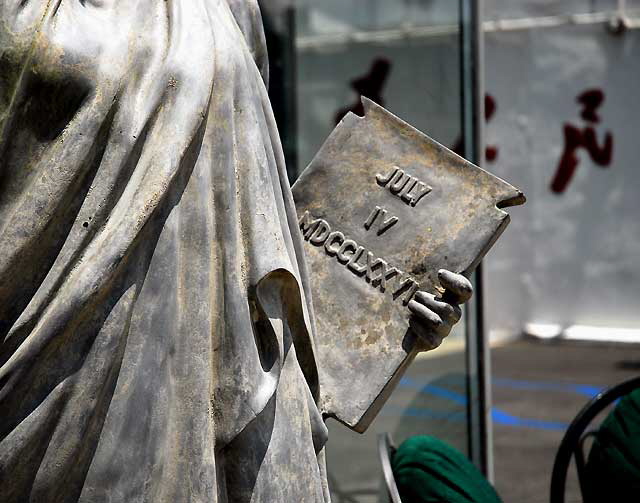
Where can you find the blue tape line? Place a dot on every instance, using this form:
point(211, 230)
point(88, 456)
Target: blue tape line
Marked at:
point(581, 389)
point(497, 415)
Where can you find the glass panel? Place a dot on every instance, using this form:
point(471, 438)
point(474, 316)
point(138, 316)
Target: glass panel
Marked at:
point(632, 8)
point(406, 56)
point(508, 9)
point(417, 79)
point(333, 16)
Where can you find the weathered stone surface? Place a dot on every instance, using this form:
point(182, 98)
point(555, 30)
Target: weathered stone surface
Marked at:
point(157, 339)
point(382, 209)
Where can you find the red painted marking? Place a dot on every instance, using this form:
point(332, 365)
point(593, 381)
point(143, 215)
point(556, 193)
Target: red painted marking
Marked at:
point(576, 138)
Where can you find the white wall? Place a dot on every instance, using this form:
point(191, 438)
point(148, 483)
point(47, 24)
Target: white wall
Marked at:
point(572, 258)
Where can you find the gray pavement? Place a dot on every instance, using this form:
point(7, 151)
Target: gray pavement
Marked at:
point(537, 390)
point(429, 399)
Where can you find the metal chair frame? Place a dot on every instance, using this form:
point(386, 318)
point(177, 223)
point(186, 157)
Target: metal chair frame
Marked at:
point(386, 449)
point(572, 444)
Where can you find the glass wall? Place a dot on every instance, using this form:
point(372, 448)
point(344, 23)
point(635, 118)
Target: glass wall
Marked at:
point(405, 55)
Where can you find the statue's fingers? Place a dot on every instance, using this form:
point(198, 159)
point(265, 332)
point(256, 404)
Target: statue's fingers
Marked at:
point(429, 338)
point(450, 313)
point(428, 318)
point(456, 285)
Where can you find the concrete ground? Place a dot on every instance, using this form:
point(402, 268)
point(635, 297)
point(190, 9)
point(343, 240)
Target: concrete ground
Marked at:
point(430, 398)
point(537, 390)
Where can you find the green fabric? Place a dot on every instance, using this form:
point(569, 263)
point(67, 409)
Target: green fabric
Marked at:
point(428, 470)
point(613, 466)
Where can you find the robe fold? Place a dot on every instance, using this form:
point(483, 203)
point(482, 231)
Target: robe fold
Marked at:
point(156, 327)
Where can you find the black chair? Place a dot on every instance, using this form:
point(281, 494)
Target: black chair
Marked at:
point(386, 449)
point(572, 444)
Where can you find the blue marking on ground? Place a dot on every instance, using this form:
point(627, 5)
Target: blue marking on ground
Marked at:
point(432, 389)
point(498, 416)
point(501, 417)
point(423, 413)
point(581, 389)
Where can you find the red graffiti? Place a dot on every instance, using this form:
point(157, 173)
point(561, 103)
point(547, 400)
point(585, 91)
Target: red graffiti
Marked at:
point(490, 105)
point(575, 139)
point(370, 86)
point(491, 151)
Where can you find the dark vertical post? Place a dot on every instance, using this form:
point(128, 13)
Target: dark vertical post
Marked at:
point(281, 45)
point(290, 137)
point(478, 355)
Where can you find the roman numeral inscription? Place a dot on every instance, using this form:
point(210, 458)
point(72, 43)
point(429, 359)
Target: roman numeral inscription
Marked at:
point(357, 259)
point(379, 217)
point(406, 187)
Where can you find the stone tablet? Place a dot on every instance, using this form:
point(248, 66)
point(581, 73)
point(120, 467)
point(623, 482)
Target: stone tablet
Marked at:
point(382, 208)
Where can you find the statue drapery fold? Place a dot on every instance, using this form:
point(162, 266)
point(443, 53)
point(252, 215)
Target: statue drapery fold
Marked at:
point(153, 295)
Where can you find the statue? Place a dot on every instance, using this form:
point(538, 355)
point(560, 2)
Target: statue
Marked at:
point(157, 335)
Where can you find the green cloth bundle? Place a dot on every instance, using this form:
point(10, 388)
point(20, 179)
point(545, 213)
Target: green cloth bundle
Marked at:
point(613, 468)
point(428, 470)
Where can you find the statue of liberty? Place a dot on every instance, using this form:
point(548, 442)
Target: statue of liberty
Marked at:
point(156, 327)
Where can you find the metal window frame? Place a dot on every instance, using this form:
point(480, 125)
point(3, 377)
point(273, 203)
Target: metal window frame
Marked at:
point(477, 344)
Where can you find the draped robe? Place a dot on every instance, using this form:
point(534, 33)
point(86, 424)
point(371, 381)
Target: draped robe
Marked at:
point(156, 327)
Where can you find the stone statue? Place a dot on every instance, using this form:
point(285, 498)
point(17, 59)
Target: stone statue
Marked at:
point(157, 335)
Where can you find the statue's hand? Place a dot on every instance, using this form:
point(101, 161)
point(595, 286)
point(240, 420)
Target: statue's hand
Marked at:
point(433, 318)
